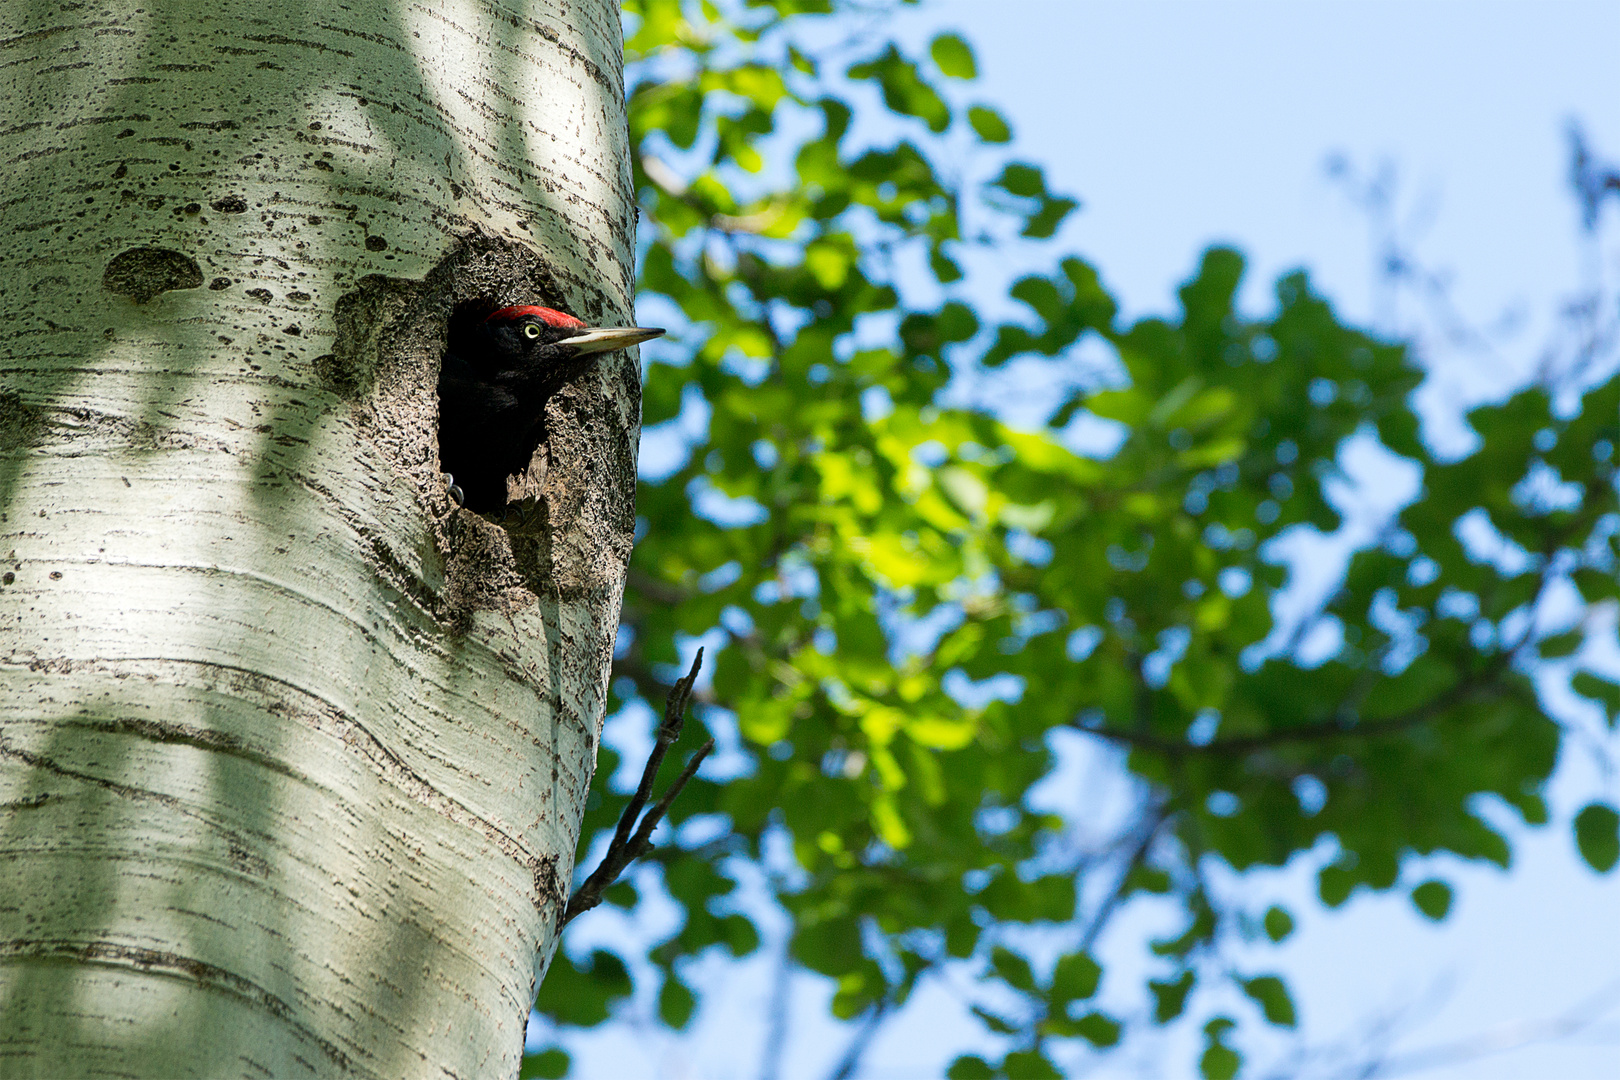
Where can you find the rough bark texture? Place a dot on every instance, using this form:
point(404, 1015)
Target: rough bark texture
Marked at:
point(292, 752)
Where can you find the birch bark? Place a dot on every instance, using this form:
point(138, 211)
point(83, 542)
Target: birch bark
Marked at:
point(293, 753)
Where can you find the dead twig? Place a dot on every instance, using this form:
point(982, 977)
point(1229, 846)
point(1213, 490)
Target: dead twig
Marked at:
point(627, 846)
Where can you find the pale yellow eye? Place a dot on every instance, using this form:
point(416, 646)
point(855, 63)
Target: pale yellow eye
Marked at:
point(531, 331)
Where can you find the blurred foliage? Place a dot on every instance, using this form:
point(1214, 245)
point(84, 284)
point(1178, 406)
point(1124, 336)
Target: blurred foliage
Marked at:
point(913, 597)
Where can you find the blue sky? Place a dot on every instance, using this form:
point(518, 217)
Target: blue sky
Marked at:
point(1184, 124)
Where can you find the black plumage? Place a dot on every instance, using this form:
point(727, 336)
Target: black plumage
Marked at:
point(493, 384)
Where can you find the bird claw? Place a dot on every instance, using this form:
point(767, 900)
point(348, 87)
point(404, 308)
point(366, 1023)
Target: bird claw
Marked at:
point(518, 513)
point(453, 489)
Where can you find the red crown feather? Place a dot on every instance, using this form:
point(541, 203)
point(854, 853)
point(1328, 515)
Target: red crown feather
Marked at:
point(549, 316)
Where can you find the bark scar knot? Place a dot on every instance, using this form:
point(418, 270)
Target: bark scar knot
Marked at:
point(143, 272)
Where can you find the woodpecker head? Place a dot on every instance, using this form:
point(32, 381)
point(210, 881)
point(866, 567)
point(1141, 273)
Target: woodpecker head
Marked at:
point(497, 372)
point(527, 338)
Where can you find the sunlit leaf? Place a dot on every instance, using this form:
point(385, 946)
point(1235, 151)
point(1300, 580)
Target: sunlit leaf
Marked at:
point(1597, 834)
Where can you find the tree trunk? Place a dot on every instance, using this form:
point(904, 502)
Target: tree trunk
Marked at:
point(293, 752)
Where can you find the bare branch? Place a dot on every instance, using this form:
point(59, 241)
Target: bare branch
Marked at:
point(851, 1061)
point(1333, 728)
point(1487, 684)
point(776, 1033)
point(1147, 830)
point(1504, 1037)
point(663, 591)
point(627, 847)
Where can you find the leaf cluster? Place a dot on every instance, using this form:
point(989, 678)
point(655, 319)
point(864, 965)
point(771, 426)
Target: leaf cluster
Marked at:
point(911, 597)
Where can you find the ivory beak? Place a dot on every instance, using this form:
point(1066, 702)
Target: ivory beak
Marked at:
point(598, 339)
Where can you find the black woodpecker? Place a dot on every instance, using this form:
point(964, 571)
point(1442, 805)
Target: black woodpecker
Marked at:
point(493, 386)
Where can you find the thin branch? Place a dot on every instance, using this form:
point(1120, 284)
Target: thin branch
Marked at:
point(627, 846)
point(1147, 830)
point(633, 665)
point(1487, 1043)
point(776, 1031)
point(664, 592)
point(1341, 724)
point(1498, 1040)
point(1333, 728)
point(862, 1039)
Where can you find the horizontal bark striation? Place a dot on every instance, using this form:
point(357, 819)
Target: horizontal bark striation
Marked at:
point(291, 751)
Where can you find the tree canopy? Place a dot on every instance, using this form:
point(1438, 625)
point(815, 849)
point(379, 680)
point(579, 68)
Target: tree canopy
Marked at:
point(919, 606)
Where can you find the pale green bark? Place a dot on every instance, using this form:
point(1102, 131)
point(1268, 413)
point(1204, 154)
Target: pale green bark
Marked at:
point(292, 753)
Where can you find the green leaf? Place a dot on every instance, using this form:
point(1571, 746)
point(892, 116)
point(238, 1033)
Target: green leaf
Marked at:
point(998, 1024)
point(953, 56)
point(1597, 834)
point(1013, 969)
point(1601, 690)
point(1099, 1029)
point(904, 90)
point(1149, 879)
point(1561, 645)
point(1025, 181)
point(889, 790)
point(739, 934)
point(583, 994)
point(549, 1064)
point(1219, 1061)
point(675, 1003)
point(1029, 1065)
point(970, 1067)
point(989, 125)
point(1045, 221)
point(1074, 977)
point(1433, 899)
point(828, 946)
point(621, 894)
point(943, 268)
point(801, 62)
point(1170, 998)
point(1278, 923)
point(1334, 883)
point(1271, 995)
